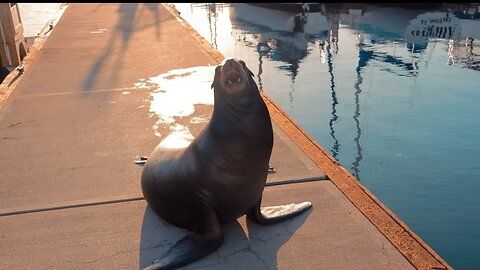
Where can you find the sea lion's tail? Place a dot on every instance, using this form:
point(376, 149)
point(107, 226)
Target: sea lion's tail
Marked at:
point(188, 249)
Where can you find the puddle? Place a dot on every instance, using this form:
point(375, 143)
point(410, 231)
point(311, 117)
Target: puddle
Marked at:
point(176, 93)
point(141, 85)
point(180, 137)
point(199, 120)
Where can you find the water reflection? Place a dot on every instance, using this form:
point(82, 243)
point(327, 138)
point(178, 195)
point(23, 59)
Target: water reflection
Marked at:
point(278, 36)
point(326, 49)
point(284, 36)
point(364, 57)
point(211, 12)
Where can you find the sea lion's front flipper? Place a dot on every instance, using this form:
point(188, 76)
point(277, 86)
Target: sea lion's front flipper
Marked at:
point(193, 246)
point(273, 214)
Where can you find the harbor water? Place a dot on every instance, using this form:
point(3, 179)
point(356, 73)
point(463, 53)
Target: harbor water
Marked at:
point(35, 16)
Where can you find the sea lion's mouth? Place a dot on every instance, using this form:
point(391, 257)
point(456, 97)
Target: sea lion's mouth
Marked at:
point(233, 79)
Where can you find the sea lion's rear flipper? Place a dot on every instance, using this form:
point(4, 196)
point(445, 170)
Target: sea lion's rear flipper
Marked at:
point(193, 246)
point(273, 214)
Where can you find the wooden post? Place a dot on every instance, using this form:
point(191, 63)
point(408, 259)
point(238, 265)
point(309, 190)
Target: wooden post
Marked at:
point(12, 43)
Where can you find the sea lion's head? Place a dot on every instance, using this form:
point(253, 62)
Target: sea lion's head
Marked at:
point(232, 77)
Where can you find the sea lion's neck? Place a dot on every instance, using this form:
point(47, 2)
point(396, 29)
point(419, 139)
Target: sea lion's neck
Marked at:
point(235, 105)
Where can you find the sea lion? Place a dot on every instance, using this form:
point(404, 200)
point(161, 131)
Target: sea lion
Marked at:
point(220, 175)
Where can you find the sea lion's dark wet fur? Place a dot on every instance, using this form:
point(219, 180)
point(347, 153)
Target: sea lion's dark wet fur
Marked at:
point(221, 175)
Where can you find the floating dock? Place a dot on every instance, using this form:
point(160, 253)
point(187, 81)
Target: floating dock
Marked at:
point(73, 122)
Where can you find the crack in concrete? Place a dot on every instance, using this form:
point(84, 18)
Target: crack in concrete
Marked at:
point(15, 124)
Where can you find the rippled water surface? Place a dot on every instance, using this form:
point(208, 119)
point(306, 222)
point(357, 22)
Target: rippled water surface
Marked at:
point(392, 92)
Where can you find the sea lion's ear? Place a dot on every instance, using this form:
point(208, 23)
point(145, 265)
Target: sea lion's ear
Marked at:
point(216, 77)
point(249, 72)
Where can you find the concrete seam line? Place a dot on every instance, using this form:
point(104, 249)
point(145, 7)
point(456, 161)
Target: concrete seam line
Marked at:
point(296, 181)
point(68, 206)
point(95, 203)
point(83, 93)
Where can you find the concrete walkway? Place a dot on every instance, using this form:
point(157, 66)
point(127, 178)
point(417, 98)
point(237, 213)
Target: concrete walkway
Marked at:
point(71, 195)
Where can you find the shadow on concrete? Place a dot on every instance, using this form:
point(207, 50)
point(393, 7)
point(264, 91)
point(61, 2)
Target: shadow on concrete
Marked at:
point(256, 249)
point(122, 32)
point(129, 21)
point(153, 7)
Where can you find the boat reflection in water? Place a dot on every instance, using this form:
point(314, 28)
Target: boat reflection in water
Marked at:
point(279, 35)
point(285, 36)
point(459, 24)
point(212, 10)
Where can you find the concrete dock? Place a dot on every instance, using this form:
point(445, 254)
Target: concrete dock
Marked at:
point(69, 134)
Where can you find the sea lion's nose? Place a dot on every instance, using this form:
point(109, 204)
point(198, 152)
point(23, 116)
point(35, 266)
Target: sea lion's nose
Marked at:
point(229, 63)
